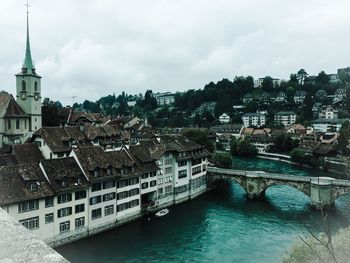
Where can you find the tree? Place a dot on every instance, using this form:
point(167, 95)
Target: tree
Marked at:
point(301, 75)
point(200, 136)
point(297, 155)
point(267, 84)
point(322, 78)
point(246, 148)
point(344, 138)
point(307, 113)
point(222, 160)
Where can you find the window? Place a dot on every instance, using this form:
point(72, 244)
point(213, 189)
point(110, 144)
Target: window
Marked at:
point(32, 186)
point(168, 179)
point(196, 170)
point(48, 218)
point(108, 197)
point(168, 160)
point(64, 198)
point(28, 206)
point(35, 86)
point(134, 203)
point(96, 213)
point(9, 124)
point(49, 201)
point(134, 180)
point(160, 191)
point(122, 195)
point(160, 181)
point(160, 162)
point(109, 171)
point(79, 208)
point(108, 184)
point(95, 200)
point(123, 183)
point(109, 210)
point(144, 185)
point(153, 183)
point(17, 124)
point(168, 189)
point(80, 195)
point(152, 174)
point(122, 207)
point(133, 192)
point(64, 212)
point(30, 223)
point(64, 226)
point(24, 86)
point(145, 176)
point(168, 170)
point(96, 187)
point(183, 163)
point(79, 222)
point(182, 174)
point(25, 125)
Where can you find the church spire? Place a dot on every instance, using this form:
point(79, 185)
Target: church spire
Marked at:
point(28, 66)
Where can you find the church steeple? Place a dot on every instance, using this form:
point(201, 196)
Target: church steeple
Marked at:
point(28, 66)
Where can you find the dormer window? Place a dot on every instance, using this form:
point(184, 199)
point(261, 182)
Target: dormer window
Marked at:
point(64, 183)
point(109, 171)
point(96, 173)
point(33, 186)
point(79, 181)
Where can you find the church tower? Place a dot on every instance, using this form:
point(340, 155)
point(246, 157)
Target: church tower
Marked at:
point(28, 84)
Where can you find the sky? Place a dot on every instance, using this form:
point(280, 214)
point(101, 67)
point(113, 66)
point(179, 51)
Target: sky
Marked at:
point(94, 48)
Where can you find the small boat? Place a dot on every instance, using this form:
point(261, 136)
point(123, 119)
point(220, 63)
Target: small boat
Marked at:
point(162, 212)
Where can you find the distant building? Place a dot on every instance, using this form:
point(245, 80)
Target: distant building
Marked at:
point(339, 95)
point(286, 118)
point(254, 120)
point(235, 130)
point(247, 98)
point(328, 113)
point(281, 97)
point(334, 78)
point(166, 98)
point(132, 103)
point(327, 125)
point(206, 106)
point(258, 82)
point(300, 96)
point(224, 118)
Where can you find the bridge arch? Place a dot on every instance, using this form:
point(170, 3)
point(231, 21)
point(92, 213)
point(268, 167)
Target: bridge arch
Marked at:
point(305, 189)
point(338, 192)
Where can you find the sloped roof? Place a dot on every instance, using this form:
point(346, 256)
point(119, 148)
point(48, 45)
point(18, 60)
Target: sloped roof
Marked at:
point(8, 159)
point(12, 109)
point(54, 138)
point(27, 153)
point(65, 169)
point(13, 188)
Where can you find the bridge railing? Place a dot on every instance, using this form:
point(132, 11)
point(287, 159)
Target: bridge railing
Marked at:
point(294, 178)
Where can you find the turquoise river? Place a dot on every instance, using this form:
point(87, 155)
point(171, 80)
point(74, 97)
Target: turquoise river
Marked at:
point(220, 226)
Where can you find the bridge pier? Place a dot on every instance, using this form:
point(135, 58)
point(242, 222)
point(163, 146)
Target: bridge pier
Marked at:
point(321, 193)
point(254, 186)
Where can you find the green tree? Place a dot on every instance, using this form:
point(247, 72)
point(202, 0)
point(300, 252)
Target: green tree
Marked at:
point(200, 136)
point(301, 75)
point(307, 113)
point(222, 160)
point(322, 78)
point(267, 84)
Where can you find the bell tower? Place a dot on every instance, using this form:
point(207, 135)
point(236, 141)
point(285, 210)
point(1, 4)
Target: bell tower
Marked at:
point(28, 86)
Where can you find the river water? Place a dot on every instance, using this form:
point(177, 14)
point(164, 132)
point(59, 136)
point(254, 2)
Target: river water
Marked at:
point(220, 226)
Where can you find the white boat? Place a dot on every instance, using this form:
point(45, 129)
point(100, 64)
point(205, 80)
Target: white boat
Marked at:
point(162, 212)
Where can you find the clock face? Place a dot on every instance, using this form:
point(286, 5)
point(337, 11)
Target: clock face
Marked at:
point(36, 96)
point(23, 96)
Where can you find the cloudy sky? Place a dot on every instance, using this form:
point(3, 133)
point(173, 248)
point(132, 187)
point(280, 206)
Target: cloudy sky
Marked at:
point(93, 48)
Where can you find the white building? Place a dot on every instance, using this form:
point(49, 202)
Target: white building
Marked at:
point(258, 82)
point(166, 98)
point(328, 113)
point(300, 96)
point(339, 95)
point(224, 118)
point(286, 118)
point(92, 190)
point(254, 120)
point(327, 125)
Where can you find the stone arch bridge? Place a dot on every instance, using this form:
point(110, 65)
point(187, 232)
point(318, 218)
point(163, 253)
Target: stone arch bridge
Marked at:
point(323, 191)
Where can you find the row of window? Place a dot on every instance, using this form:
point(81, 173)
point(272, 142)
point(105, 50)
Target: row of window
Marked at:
point(165, 180)
point(128, 205)
point(146, 175)
point(127, 182)
point(166, 190)
point(65, 226)
point(9, 124)
point(127, 194)
point(182, 174)
point(196, 170)
point(151, 184)
point(105, 185)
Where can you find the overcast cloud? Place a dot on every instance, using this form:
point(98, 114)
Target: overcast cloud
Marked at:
point(93, 48)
